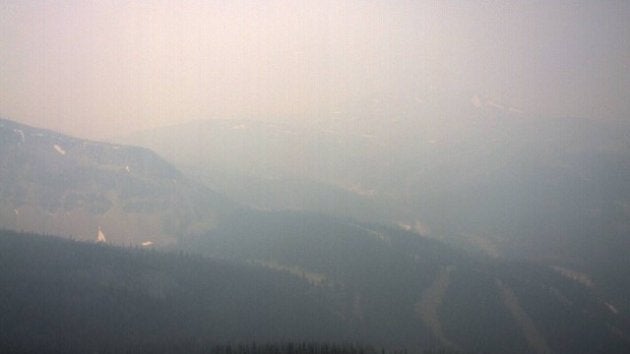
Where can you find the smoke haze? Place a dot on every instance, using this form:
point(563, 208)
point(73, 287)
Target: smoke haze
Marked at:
point(98, 69)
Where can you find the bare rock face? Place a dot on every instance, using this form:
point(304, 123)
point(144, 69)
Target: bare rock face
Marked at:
point(55, 184)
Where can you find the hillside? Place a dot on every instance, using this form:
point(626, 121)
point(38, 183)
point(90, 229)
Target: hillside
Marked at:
point(63, 295)
point(277, 275)
point(67, 296)
point(551, 190)
point(397, 287)
point(55, 184)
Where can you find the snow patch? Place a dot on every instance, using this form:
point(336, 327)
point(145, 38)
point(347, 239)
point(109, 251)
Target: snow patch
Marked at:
point(146, 243)
point(101, 236)
point(59, 149)
point(515, 110)
point(239, 127)
point(17, 212)
point(127, 169)
point(418, 227)
point(404, 226)
point(20, 133)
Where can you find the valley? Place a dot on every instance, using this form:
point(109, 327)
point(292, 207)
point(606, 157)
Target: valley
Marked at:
point(315, 177)
point(380, 284)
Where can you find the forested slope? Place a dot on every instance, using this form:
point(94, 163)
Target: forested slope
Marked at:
point(66, 296)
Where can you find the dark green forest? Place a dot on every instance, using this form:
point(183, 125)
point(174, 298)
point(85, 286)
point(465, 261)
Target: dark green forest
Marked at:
point(380, 275)
point(280, 293)
point(66, 296)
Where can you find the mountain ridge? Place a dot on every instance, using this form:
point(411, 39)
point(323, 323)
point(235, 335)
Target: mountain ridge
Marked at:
point(53, 183)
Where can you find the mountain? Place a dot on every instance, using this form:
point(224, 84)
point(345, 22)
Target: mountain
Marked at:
point(76, 297)
point(270, 166)
point(279, 275)
point(56, 184)
point(396, 288)
point(337, 282)
point(477, 173)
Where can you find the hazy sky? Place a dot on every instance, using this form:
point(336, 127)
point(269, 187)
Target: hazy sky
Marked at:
point(101, 68)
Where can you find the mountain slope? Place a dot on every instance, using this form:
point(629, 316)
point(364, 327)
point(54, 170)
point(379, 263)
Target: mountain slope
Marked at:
point(382, 285)
point(52, 183)
point(397, 288)
point(267, 165)
point(74, 297)
point(546, 189)
point(400, 292)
